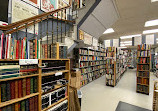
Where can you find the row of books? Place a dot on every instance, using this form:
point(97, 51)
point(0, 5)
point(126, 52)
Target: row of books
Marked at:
point(109, 76)
point(143, 53)
point(9, 71)
point(144, 47)
point(30, 104)
point(143, 67)
point(110, 82)
point(86, 76)
point(83, 58)
point(144, 60)
point(143, 74)
point(109, 49)
point(10, 48)
point(142, 80)
point(143, 88)
point(83, 51)
point(110, 61)
point(18, 88)
point(110, 54)
point(63, 106)
point(109, 71)
point(10, 63)
point(50, 82)
point(92, 63)
point(52, 97)
point(63, 52)
point(84, 64)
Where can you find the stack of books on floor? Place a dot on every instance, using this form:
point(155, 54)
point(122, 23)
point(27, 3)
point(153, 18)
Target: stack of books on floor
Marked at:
point(143, 68)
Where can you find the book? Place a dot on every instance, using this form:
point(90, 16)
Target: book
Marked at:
point(16, 88)
point(12, 89)
point(24, 87)
point(28, 86)
point(19, 88)
point(3, 92)
point(31, 85)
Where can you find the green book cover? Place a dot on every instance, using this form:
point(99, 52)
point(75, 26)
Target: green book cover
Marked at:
point(22, 106)
point(31, 88)
point(35, 85)
point(8, 92)
point(3, 92)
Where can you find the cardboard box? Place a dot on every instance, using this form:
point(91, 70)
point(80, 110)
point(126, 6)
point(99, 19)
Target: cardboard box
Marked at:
point(75, 82)
point(76, 74)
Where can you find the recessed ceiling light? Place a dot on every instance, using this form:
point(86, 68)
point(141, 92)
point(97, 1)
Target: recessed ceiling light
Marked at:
point(122, 45)
point(150, 31)
point(110, 30)
point(151, 23)
point(130, 36)
point(154, 0)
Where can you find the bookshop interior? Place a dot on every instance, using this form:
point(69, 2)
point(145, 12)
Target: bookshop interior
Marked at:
point(79, 55)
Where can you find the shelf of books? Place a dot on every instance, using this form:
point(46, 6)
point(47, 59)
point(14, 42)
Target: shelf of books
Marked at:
point(121, 64)
point(33, 76)
point(143, 68)
point(155, 96)
point(34, 84)
point(91, 63)
point(115, 65)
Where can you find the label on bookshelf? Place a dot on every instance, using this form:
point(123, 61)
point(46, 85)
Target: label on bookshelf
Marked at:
point(28, 61)
point(58, 73)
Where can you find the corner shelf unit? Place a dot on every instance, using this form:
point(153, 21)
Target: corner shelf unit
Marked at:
point(91, 63)
point(13, 103)
point(143, 69)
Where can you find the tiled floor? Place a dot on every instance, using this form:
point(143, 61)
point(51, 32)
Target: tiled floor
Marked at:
point(98, 97)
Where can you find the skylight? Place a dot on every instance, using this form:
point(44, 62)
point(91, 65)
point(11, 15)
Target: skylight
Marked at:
point(130, 36)
point(151, 23)
point(150, 31)
point(110, 30)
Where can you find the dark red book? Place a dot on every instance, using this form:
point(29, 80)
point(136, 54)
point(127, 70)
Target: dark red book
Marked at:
point(28, 86)
point(17, 50)
point(30, 104)
point(33, 103)
point(16, 89)
point(20, 88)
point(22, 49)
point(24, 87)
point(12, 89)
point(36, 103)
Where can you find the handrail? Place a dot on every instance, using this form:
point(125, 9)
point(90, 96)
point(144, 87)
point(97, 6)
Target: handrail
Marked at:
point(36, 19)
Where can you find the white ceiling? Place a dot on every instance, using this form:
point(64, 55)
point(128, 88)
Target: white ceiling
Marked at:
point(133, 15)
point(102, 17)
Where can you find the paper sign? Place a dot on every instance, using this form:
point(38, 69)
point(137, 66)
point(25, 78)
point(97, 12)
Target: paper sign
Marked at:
point(28, 61)
point(58, 73)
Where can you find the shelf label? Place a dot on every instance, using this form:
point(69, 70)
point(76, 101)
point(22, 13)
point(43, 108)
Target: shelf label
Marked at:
point(28, 61)
point(58, 73)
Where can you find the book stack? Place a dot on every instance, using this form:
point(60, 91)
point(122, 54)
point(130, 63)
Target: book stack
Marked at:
point(18, 88)
point(10, 48)
point(53, 66)
point(143, 68)
point(30, 104)
point(63, 106)
point(52, 97)
point(90, 62)
point(63, 52)
point(28, 69)
point(9, 71)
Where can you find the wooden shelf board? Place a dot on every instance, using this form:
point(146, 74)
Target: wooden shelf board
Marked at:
point(20, 77)
point(142, 84)
point(55, 104)
point(56, 87)
point(56, 59)
point(52, 73)
point(9, 59)
point(17, 100)
point(138, 91)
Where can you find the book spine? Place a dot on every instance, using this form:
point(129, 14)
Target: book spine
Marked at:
point(12, 88)
point(28, 86)
point(16, 89)
point(3, 92)
point(24, 87)
point(19, 88)
point(8, 91)
point(31, 86)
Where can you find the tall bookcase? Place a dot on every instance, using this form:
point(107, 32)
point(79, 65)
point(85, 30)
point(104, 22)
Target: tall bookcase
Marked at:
point(155, 96)
point(20, 97)
point(91, 63)
point(115, 65)
point(143, 68)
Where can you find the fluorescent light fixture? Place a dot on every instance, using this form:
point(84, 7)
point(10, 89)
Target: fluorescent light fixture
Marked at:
point(128, 44)
point(150, 31)
point(151, 23)
point(156, 38)
point(130, 36)
point(154, 0)
point(123, 47)
point(110, 30)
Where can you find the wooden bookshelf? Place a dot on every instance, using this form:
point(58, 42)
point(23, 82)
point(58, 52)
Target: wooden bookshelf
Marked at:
point(155, 96)
point(39, 76)
point(114, 73)
point(143, 69)
point(91, 63)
